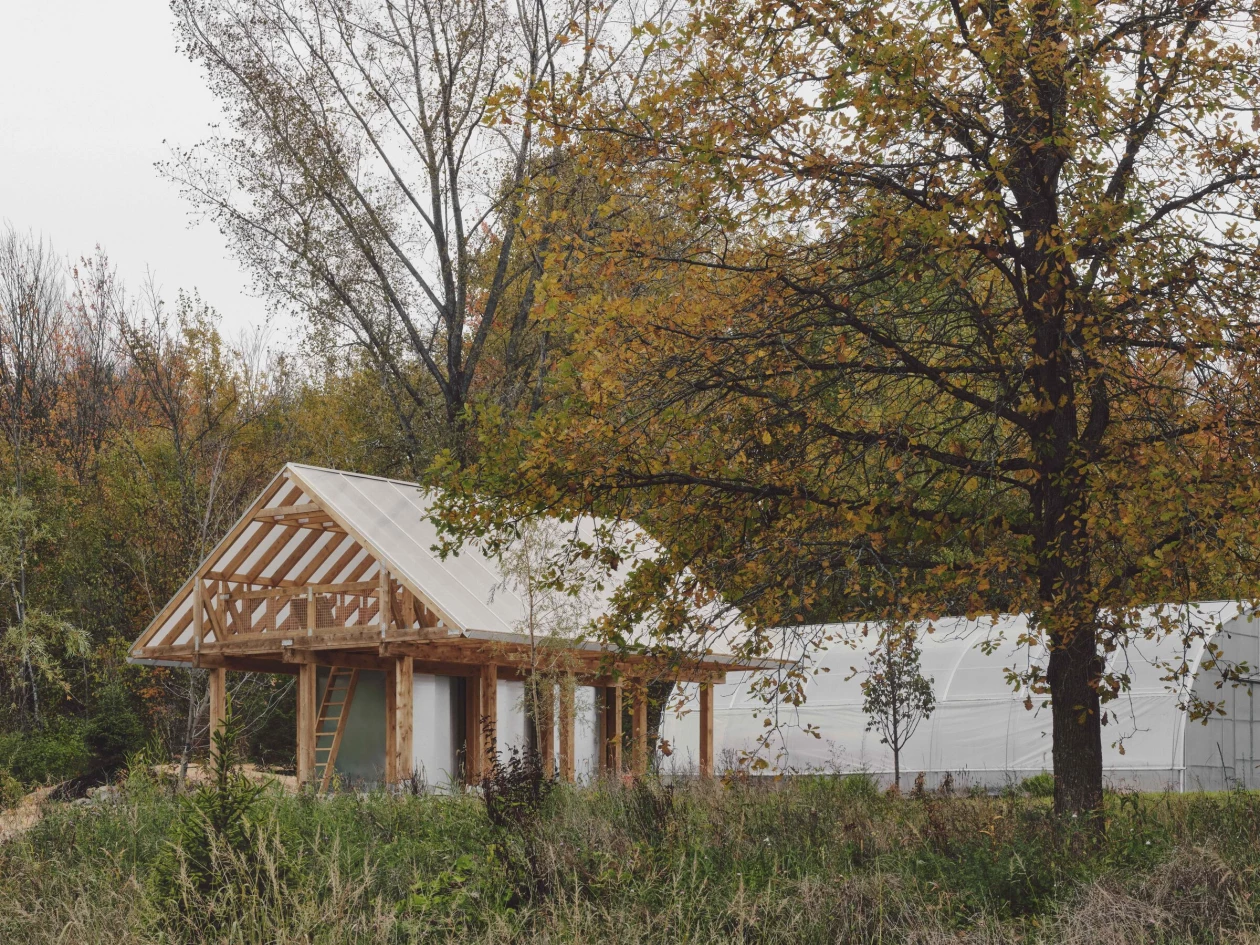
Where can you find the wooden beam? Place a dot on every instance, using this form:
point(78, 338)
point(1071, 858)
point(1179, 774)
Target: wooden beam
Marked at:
point(351, 587)
point(568, 743)
point(612, 728)
point(706, 730)
point(408, 607)
point(307, 712)
point(275, 641)
point(346, 659)
point(218, 620)
point(489, 715)
point(420, 655)
point(279, 511)
point(218, 704)
point(638, 728)
point(474, 751)
point(245, 664)
point(404, 709)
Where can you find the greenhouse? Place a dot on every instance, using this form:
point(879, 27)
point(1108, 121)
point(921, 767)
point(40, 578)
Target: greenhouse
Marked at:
point(982, 733)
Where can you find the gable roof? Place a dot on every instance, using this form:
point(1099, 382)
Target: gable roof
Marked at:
point(316, 526)
point(322, 526)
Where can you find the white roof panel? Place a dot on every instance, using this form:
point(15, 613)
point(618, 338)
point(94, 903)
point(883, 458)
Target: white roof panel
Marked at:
point(391, 517)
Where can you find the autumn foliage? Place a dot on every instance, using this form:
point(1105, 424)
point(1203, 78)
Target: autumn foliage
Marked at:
point(897, 310)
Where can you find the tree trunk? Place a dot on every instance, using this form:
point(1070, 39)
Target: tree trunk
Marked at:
point(1073, 675)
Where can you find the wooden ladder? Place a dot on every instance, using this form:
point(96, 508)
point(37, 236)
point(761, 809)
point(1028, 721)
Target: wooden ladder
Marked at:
point(338, 695)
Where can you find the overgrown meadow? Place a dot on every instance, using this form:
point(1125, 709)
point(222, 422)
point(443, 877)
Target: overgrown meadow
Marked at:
point(817, 859)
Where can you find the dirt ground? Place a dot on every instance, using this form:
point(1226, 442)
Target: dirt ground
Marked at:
point(25, 815)
point(30, 809)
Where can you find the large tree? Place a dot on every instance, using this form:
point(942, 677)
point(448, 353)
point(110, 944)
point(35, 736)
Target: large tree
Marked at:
point(909, 308)
point(379, 163)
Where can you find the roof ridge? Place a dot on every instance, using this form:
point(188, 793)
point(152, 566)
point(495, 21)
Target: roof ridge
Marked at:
point(357, 475)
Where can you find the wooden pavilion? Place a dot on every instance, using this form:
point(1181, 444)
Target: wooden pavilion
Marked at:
point(332, 575)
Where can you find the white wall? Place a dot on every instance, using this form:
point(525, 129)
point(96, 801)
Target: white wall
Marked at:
point(435, 712)
point(680, 729)
point(511, 731)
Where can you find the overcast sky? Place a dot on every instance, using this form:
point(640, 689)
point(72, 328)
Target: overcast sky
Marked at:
point(89, 91)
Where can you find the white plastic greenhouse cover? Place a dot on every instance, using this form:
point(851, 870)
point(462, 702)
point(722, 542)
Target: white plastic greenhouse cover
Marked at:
point(982, 733)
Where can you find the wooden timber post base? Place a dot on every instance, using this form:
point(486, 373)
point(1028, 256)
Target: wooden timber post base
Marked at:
point(706, 730)
point(399, 720)
point(307, 712)
point(218, 705)
point(638, 729)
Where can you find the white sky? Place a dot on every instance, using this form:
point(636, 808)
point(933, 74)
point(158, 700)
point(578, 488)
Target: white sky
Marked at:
point(89, 91)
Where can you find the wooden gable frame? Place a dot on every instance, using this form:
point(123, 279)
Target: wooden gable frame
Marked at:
point(280, 549)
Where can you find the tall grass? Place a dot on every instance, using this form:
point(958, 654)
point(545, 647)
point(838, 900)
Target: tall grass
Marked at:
point(811, 860)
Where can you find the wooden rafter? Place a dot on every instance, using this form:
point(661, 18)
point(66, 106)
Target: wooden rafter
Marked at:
point(175, 603)
point(283, 535)
point(334, 541)
point(296, 555)
point(252, 543)
point(353, 550)
point(428, 602)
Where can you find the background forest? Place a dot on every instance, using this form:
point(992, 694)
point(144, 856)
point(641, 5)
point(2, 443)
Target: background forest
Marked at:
point(134, 434)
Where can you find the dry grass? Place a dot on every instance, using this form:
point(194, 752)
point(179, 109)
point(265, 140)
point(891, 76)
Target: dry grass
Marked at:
point(817, 861)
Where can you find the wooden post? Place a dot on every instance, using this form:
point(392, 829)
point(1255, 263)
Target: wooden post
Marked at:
point(404, 672)
point(706, 730)
point(568, 744)
point(306, 717)
point(489, 721)
point(391, 726)
point(218, 704)
point(198, 614)
point(474, 750)
point(545, 728)
point(384, 604)
point(638, 728)
point(612, 730)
